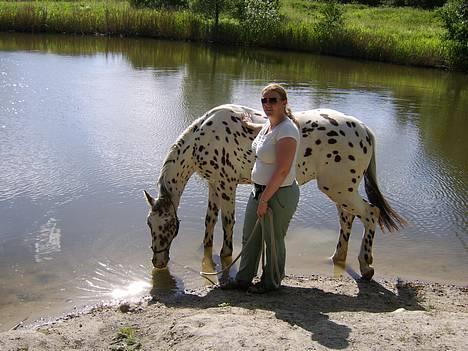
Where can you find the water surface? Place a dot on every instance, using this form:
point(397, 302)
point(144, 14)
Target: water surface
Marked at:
point(86, 122)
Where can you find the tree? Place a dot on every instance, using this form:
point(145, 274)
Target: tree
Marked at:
point(211, 8)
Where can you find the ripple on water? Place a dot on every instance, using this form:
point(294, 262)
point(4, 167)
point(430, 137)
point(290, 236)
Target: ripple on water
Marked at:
point(111, 281)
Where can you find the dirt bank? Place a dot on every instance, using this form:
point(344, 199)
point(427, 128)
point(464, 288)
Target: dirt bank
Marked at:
point(307, 313)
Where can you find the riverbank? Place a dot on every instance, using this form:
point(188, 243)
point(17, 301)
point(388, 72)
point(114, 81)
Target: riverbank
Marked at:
point(307, 313)
point(396, 35)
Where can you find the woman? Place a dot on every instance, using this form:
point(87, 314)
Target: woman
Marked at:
point(275, 187)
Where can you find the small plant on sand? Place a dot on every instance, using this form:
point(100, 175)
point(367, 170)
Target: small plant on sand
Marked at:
point(125, 340)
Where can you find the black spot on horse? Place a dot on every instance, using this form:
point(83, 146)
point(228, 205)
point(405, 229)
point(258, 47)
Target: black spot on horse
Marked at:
point(329, 119)
point(308, 152)
point(332, 141)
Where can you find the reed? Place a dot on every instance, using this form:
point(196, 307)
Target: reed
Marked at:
point(403, 36)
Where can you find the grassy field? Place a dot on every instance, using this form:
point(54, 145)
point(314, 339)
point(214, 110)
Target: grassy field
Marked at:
point(399, 35)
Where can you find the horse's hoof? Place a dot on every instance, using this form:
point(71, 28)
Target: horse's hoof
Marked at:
point(339, 261)
point(368, 274)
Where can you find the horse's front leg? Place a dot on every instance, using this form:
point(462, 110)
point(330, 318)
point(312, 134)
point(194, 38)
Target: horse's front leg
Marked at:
point(210, 219)
point(227, 203)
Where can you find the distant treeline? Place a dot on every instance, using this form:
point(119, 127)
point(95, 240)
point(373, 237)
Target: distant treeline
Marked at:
point(425, 4)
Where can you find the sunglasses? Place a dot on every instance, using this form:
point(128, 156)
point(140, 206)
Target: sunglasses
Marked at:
point(271, 101)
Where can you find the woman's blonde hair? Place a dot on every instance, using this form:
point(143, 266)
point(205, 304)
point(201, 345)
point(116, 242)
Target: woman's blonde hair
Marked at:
point(274, 87)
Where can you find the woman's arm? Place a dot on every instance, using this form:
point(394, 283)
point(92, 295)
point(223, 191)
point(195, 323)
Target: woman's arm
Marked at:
point(285, 151)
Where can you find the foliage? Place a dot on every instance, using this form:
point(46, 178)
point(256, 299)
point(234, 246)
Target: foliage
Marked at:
point(158, 4)
point(455, 17)
point(332, 20)
point(259, 19)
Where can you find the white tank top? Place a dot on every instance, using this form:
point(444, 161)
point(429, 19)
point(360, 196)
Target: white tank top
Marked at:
point(264, 145)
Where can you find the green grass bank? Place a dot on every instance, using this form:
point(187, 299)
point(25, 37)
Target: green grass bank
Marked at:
point(405, 36)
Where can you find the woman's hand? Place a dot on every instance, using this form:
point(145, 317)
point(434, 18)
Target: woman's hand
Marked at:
point(246, 120)
point(262, 208)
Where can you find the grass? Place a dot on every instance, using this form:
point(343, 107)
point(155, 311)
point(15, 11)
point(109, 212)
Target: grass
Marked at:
point(399, 35)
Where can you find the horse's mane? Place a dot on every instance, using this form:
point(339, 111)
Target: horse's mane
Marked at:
point(175, 151)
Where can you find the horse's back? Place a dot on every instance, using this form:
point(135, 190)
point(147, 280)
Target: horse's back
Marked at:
point(331, 142)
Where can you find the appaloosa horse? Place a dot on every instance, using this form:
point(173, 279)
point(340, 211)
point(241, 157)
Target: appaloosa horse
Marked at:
point(335, 149)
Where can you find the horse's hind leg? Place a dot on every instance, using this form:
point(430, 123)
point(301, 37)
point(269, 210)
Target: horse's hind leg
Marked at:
point(210, 219)
point(350, 202)
point(368, 214)
point(346, 223)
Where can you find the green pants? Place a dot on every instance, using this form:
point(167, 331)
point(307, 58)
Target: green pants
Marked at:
point(283, 205)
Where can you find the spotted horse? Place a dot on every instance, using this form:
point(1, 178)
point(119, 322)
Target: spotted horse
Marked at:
point(336, 149)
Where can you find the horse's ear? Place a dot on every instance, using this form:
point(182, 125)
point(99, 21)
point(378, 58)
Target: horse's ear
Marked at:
point(151, 201)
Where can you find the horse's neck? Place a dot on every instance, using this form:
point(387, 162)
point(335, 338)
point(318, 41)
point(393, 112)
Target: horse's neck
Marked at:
point(177, 170)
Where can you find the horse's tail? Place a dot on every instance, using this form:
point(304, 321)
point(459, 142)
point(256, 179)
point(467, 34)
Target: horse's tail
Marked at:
point(388, 218)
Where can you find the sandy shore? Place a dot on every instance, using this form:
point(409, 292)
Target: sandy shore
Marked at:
point(307, 313)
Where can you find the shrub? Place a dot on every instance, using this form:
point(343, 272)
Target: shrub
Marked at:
point(331, 20)
point(455, 17)
point(259, 18)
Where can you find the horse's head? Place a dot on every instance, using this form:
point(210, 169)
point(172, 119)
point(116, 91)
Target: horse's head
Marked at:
point(164, 226)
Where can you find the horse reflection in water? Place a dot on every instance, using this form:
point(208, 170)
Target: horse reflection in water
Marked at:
point(165, 282)
point(335, 149)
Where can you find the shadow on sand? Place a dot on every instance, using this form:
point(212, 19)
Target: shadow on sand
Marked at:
point(304, 307)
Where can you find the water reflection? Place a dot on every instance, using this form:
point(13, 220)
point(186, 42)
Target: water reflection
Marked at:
point(164, 281)
point(47, 241)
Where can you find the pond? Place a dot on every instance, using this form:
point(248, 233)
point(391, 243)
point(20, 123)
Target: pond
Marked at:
point(85, 123)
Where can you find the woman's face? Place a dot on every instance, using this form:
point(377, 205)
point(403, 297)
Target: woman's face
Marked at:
point(272, 104)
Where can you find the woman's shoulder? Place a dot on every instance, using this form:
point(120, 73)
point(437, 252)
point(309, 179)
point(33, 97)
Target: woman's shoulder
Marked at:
point(288, 128)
